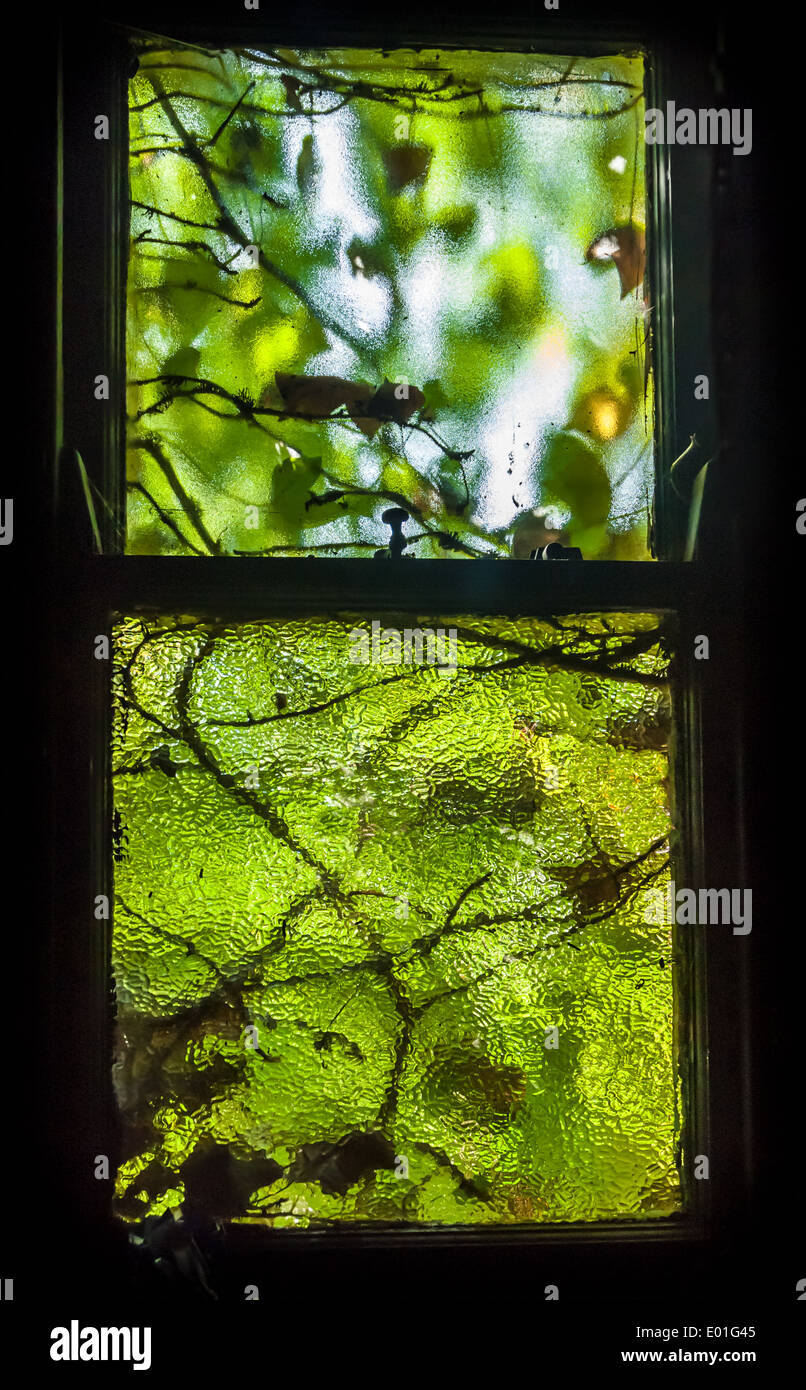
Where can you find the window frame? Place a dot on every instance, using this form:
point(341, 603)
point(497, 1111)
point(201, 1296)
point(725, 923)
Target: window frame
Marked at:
point(91, 272)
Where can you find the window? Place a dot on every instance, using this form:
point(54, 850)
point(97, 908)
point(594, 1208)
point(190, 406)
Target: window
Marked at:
point(355, 898)
point(408, 278)
point(389, 931)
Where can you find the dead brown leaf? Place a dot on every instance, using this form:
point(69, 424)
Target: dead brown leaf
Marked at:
point(320, 395)
point(626, 247)
point(405, 164)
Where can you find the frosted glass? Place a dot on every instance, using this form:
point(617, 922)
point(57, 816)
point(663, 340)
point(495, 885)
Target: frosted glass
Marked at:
point(387, 943)
point(360, 280)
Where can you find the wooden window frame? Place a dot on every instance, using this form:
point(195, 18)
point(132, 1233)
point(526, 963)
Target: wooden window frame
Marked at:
point(716, 1061)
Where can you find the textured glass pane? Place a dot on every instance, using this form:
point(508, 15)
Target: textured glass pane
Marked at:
point(360, 280)
point(387, 944)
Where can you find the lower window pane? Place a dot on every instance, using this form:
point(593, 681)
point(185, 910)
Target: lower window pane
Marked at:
point(389, 939)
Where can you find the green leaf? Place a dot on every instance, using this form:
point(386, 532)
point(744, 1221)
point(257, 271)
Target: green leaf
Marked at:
point(184, 362)
point(435, 399)
point(457, 222)
point(574, 475)
point(291, 484)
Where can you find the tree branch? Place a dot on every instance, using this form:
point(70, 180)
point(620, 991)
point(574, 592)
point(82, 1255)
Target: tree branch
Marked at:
point(190, 507)
point(228, 225)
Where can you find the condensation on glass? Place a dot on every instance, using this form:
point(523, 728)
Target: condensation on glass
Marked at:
point(361, 280)
point(389, 937)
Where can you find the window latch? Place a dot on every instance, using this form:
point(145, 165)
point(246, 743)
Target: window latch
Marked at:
point(394, 517)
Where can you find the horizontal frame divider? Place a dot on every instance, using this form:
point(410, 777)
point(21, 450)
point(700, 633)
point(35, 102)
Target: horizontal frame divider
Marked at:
point(249, 588)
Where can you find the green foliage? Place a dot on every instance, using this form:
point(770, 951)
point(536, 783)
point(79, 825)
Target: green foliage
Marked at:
point(574, 476)
point(421, 217)
point(401, 880)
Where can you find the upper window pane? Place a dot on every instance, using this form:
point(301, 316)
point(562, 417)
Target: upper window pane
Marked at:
point(362, 280)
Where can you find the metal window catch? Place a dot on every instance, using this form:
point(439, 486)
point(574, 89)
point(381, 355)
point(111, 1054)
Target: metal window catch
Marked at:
point(394, 517)
point(555, 551)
